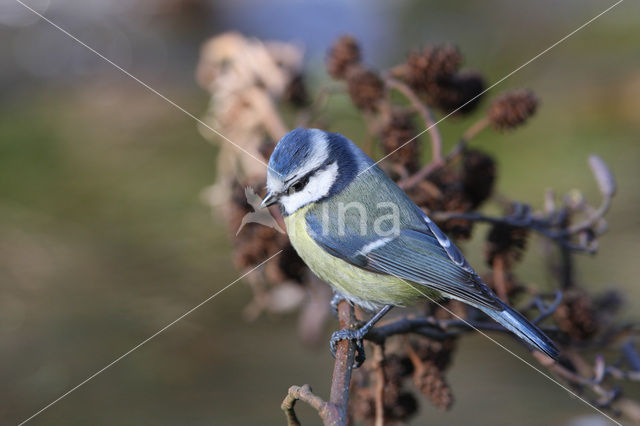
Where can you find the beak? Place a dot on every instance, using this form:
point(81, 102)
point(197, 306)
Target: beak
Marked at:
point(269, 199)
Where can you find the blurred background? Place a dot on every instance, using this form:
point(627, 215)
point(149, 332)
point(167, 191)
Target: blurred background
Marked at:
point(104, 238)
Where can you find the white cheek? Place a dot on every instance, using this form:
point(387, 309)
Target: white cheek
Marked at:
point(319, 185)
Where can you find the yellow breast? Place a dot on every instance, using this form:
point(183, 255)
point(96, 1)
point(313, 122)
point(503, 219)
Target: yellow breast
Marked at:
point(367, 289)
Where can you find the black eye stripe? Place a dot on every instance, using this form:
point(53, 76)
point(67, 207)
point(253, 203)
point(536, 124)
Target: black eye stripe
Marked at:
point(299, 184)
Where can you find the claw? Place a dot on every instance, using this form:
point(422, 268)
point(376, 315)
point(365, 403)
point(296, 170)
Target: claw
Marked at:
point(356, 335)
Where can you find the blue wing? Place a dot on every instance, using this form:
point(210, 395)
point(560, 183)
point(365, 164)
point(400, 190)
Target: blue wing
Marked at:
point(424, 256)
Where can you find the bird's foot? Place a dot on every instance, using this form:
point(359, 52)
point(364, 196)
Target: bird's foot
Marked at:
point(357, 336)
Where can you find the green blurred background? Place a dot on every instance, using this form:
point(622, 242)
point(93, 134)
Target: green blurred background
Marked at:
point(104, 240)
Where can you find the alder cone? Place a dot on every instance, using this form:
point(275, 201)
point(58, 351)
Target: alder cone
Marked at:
point(434, 386)
point(365, 88)
point(426, 68)
point(395, 136)
point(512, 109)
point(478, 176)
point(344, 53)
point(576, 315)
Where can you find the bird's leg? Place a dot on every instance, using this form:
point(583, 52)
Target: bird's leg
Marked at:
point(357, 335)
point(335, 301)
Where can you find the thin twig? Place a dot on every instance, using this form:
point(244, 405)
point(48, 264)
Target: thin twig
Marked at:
point(436, 139)
point(474, 130)
point(540, 226)
point(312, 113)
point(420, 175)
point(623, 374)
point(334, 412)
point(606, 395)
point(499, 277)
point(433, 328)
point(378, 357)
point(593, 218)
point(455, 152)
point(425, 113)
point(345, 356)
point(327, 412)
point(631, 355)
point(547, 311)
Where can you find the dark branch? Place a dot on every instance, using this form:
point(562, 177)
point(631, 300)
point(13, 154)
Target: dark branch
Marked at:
point(436, 329)
point(327, 412)
point(334, 412)
point(345, 356)
point(547, 311)
point(544, 227)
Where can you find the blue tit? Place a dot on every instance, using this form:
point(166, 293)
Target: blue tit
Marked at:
point(358, 231)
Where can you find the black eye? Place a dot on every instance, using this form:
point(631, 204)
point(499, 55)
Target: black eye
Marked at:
point(299, 185)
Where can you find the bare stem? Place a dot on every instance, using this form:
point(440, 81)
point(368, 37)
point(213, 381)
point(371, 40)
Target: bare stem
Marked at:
point(345, 356)
point(631, 355)
point(319, 104)
point(547, 311)
point(380, 384)
point(433, 328)
point(327, 411)
point(473, 131)
point(421, 174)
point(437, 163)
point(334, 412)
point(499, 277)
point(542, 226)
point(425, 113)
point(434, 133)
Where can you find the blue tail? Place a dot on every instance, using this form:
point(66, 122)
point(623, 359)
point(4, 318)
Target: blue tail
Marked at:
point(524, 329)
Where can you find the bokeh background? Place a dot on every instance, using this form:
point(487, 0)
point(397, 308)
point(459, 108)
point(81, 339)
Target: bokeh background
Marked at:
point(104, 238)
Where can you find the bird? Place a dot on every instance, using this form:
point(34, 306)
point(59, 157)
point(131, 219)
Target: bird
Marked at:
point(358, 231)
